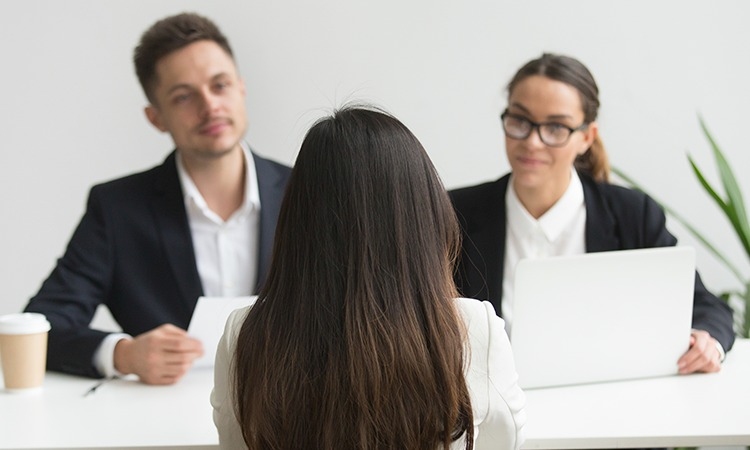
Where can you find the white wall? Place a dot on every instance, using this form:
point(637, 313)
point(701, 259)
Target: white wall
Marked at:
point(72, 114)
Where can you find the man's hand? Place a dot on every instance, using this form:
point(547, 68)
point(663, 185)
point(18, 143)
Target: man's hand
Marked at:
point(160, 356)
point(702, 356)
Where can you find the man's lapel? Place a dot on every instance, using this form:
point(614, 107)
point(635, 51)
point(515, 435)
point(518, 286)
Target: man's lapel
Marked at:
point(271, 185)
point(168, 208)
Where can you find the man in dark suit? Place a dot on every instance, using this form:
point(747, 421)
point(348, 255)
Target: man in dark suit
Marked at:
point(149, 244)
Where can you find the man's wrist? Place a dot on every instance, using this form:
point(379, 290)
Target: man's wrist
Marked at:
point(120, 357)
point(104, 357)
point(720, 348)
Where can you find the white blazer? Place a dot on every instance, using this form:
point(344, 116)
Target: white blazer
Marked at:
point(496, 399)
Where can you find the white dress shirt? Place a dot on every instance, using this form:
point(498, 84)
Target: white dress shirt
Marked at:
point(226, 252)
point(559, 231)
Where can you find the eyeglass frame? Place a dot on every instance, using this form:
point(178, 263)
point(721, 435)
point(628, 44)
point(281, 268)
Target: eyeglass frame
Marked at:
point(537, 125)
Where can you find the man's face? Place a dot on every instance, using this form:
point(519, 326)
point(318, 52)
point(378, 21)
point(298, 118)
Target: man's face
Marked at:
point(199, 99)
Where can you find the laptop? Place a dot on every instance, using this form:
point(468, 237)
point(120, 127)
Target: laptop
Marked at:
point(602, 316)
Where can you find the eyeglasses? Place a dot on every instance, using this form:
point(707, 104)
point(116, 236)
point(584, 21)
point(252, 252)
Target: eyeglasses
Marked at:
point(551, 133)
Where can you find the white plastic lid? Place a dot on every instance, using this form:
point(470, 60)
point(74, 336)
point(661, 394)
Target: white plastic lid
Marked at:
point(24, 323)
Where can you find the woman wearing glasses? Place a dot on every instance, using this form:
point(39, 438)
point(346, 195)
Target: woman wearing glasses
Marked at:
point(557, 201)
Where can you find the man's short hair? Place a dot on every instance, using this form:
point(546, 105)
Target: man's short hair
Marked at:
point(170, 34)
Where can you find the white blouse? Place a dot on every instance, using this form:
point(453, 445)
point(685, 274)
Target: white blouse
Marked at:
point(496, 399)
point(559, 231)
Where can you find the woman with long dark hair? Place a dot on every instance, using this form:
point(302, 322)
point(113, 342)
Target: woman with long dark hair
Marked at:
point(357, 340)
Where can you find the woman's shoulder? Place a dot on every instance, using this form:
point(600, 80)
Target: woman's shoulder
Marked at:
point(616, 190)
point(472, 307)
point(619, 197)
point(479, 315)
point(237, 317)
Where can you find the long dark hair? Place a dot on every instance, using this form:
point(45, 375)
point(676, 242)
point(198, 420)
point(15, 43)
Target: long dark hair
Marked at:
point(355, 341)
point(572, 72)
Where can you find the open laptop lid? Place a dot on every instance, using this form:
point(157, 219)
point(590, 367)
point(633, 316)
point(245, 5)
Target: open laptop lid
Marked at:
point(602, 316)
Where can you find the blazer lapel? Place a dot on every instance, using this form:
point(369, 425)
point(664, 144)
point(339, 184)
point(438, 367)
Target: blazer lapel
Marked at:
point(494, 236)
point(601, 227)
point(486, 232)
point(271, 186)
point(171, 220)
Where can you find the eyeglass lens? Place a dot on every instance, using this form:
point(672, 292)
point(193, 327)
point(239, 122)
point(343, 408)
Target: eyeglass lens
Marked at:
point(552, 134)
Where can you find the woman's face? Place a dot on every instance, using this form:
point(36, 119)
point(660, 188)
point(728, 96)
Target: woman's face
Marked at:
point(540, 169)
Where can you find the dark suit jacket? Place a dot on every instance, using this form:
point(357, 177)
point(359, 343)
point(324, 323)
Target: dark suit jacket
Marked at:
point(617, 218)
point(133, 252)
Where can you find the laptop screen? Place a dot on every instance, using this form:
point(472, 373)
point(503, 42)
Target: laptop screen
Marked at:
point(602, 316)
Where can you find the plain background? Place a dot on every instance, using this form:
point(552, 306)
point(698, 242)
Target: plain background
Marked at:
point(72, 110)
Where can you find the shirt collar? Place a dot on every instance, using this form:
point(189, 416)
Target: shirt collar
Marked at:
point(553, 222)
point(194, 199)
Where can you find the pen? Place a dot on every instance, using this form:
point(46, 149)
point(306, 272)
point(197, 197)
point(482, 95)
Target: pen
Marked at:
point(98, 385)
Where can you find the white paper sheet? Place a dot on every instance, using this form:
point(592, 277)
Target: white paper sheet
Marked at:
point(207, 324)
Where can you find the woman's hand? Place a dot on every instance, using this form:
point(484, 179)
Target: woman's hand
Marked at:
point(702, 356)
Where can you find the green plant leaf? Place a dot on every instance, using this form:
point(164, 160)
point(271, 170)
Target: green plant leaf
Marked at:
point(725, 206)
point(710, 189)
point(735, 205)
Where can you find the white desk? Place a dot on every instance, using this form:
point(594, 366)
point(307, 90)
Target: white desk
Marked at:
point(121, 414)
point(692, 410)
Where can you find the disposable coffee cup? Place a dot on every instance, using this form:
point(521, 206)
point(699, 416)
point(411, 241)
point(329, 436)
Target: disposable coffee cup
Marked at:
point(23, 351)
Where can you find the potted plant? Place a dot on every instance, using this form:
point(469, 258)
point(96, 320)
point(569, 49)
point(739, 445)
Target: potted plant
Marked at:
point(733, 207)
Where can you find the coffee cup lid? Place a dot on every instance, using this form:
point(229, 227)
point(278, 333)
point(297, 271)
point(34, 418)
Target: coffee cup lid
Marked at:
point(23, 323)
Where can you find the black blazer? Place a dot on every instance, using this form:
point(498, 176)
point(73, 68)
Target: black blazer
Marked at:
point(133, 252)
point(617, 218)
